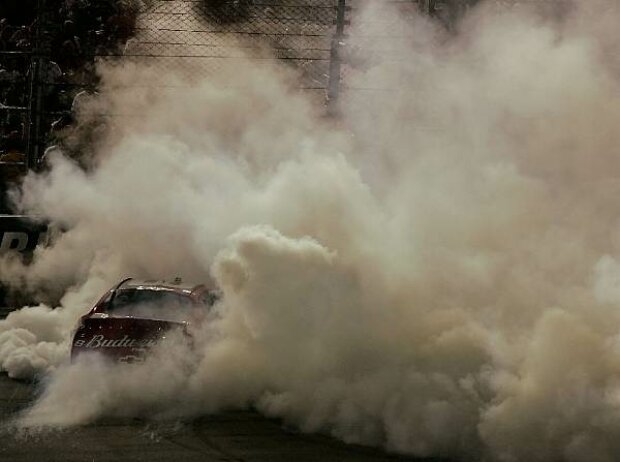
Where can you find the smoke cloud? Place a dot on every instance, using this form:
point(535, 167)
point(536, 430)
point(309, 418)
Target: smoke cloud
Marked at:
point(438, 273)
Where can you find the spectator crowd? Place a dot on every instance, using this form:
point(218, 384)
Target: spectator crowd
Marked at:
point(67, 35)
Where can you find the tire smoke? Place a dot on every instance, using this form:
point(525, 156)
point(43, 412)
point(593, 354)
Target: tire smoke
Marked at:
point(437, 275)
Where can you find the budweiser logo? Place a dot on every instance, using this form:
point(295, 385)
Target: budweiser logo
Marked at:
point(99, 341)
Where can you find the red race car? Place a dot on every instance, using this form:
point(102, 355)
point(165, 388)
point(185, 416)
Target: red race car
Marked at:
point(134, 316)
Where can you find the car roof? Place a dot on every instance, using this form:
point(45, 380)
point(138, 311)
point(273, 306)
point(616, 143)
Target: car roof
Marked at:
point(175, 285)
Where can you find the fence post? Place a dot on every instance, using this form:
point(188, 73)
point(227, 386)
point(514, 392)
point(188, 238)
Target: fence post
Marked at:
point(35, 96)
point(335, 60)
point(428, 6)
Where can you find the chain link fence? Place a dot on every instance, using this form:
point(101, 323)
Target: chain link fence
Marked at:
point(207, 37)
point(196, 37)
point(48, 60)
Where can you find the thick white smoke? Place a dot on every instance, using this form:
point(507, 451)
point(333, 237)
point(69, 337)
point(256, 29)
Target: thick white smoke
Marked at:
point(441, 277)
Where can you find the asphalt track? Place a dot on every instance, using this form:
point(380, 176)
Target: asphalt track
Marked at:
point(232, 436)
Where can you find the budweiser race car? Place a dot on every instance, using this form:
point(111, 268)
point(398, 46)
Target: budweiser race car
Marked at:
point(134, 316)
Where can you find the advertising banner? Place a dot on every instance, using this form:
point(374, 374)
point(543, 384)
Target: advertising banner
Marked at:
point(19, 233)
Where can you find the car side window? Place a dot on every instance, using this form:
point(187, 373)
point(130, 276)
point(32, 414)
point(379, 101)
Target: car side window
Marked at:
point(105, 300)
point(209, 297)
point(123, 298)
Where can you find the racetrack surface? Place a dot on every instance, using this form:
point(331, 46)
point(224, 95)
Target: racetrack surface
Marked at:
point(231, 436)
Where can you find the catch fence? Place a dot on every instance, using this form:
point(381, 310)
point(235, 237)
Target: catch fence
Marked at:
point(49, 62)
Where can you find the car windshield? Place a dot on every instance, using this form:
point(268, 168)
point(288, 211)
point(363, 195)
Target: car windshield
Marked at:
point(157, 304)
